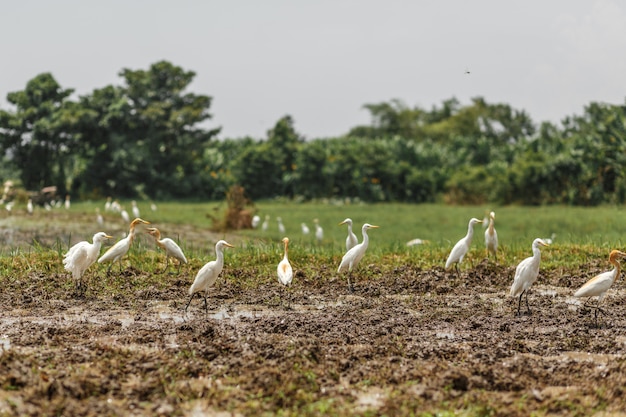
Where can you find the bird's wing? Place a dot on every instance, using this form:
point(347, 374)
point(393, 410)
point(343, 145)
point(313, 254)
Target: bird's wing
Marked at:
point(205, 277)
point(458, 252)
point(285, 272)
point(77, 247)
point(174, 250)
point(115, 251)
point(596, 285)
point(525, 274)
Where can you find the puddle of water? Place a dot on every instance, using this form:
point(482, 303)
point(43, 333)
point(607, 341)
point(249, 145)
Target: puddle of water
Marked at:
point(444, 335)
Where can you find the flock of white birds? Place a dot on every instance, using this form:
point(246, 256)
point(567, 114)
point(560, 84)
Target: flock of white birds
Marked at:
point(82, 255)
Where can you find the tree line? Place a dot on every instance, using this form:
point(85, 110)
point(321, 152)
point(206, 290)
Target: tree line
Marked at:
point(145, 139)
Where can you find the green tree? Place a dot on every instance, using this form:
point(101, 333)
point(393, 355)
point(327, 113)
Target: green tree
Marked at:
point(37, 135)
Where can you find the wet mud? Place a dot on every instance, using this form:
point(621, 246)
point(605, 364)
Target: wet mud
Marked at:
point(406, 340)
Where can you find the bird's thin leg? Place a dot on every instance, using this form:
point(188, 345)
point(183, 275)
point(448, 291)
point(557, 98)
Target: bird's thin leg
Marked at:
point(206, 303)
point(109, 268)
point(519, 304)
point(458, 273)
point(350, 286)
point(167, 263)
point(527, 306)
point(189, 302)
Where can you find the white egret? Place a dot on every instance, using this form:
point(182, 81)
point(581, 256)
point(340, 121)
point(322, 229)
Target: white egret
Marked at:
point(351, 240)
point(305, 229)
point(600, 284)
point(284, 269)
point(352, 258)
point(208, 274)
point(82, 255)
point(526, 274)
point(153, 207)
point(281, 226)
point(107, 204)
point(549, 240)
point(171, 248)
point(29, 206)
point(417, 241)
point(255, 221)
point(462, 246)
point(491, 237)
point(67, 202)
point(124, 215)
point(117, 251)
point(135, 209)
point(319, 232)
point(266, 223)
point(99, 218)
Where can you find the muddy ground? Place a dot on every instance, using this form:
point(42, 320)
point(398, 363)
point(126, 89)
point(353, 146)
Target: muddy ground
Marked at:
point(407, 340)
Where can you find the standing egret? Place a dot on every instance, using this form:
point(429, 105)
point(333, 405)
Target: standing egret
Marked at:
point(29, 206)
point(600, 284)
point(352, 258)
point(208, 274)
point(351, 240)
point(135, 209)
point(526, 274)
point(67, 202)
point(117, 251)
point(255, 221)
point(266, 223)
point(169, 246)
point(305, 229)
point(319, 232)
point(284, 270)
point(153, 207)
point(281, 226)
point(82, 255)
point(462, 246)
point(491, 237)
point(99, 218)
point(124, 215)
point(107, 204)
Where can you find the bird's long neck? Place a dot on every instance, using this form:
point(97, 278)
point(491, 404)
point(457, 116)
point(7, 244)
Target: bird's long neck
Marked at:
point(219, 256)
point(536, 254)
point(365, 238)
point(159, 243)
point(286, 250)
point(616, 268)
point(491, 226)
point(470, 233)
point(131, 234)
point(349, 228)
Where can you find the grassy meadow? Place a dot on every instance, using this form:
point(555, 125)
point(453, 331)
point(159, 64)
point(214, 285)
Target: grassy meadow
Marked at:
point(579, 232)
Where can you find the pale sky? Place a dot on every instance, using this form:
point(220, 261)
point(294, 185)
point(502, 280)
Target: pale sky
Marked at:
point(321, 60)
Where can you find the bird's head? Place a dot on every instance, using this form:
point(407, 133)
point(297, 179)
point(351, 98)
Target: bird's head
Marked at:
point(474, 220)
point(138, 221)
point(492, 215)
point(539, 242)
point(153, 231)
point(101, 236)
point(367, 226)
point(346, 221)
point(615, 254)
point(285, 240)
point(222, 243)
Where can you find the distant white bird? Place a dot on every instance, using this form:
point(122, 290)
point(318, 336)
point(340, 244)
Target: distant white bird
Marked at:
point(549, 240)
point(491, 237)
point(125, 215)
point(526, 274)
point(82, 255)
point(319, 232)
point(135, 209)
point(281, 226)
point(255, 221)
point(266, 223)
point(600, 284)
point(99, 218)
point(117, 251)
point(67, 202)
point(462, 246)
point(284, 269)
point(29, 206)
point(305, 229)
point(107, 204)
point(351, 240)
point(352, 258)
point(9, 206)
point(417, 241)
point(171, 248)
point(208, 274)
point(153, 207)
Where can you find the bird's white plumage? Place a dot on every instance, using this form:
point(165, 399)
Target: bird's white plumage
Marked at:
point(351, 240)
point(207, 275)
point(117, 251)
point(284, 269)
point(255, 221)
point(527, 271)
point(600, 284)
point(491, 236)
point(305, 228)
point(319, 231)
point(281, 226)
point(135, 209)
point(352, 257)
point(171, 248)
point(83, 254)
point(461, 247)
point(266, 223)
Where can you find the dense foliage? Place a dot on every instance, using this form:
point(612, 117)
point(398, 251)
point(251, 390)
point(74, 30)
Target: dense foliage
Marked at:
point(145, 139)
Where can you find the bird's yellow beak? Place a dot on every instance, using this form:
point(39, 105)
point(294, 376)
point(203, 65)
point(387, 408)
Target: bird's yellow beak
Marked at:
point(108, 237)
point(343, 222)
point(374, 227)
point(229, 245)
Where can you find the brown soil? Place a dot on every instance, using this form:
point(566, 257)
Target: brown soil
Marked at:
point(407, 340)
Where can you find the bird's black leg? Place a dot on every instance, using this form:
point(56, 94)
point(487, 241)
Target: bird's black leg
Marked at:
point(519, 304)
point(458, 273)
point(350, 286)
point(189, 302)
point(167, 263)
point(206, 304)
point(527, 306)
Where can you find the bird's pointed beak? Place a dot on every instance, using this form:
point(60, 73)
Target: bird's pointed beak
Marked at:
point(374, 227)
point(343, 222)
point(229, 245)
point(108, 237)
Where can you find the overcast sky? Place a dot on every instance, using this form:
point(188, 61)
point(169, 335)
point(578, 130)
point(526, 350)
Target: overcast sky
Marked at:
point(321, 60)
